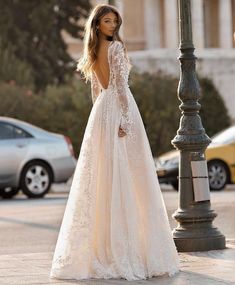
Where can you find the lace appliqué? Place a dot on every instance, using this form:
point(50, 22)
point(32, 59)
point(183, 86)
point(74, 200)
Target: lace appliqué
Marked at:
point(77, 218)
point(95, 88)
point(118, 88)
point(119, 80)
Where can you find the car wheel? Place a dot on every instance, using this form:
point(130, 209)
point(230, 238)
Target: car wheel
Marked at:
point(175, 185)
point(8, 192)
point(218, 175)
point(36, 179)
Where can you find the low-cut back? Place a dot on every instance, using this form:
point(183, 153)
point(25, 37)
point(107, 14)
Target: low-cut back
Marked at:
point(102, 68)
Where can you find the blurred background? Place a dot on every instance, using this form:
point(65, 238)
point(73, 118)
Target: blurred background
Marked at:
point(45, 105)
point(40, 42)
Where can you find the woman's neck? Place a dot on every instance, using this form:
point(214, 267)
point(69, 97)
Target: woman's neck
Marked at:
point(104, 38)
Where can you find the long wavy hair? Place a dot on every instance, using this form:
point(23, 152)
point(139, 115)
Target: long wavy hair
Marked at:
point(91, 40)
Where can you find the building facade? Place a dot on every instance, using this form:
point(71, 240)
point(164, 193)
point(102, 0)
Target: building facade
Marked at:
point(151, 34)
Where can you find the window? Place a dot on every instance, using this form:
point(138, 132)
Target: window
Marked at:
point(211, 23)
point(8, 131)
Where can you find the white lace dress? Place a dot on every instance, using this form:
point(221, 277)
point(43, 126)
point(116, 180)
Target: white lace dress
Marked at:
point(115, 223)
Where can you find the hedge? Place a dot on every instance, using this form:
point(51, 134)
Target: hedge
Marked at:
point(65, 109)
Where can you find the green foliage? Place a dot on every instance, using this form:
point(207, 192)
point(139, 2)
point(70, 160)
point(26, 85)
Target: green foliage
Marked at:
point(65, 109)
point(33, 31)
point(156, 97)
point(214, 113)
point(12, 69)
point(158, 104)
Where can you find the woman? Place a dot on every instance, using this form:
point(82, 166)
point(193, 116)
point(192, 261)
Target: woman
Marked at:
point(115, 223)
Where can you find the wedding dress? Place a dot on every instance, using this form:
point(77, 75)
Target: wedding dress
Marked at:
point(115, 223)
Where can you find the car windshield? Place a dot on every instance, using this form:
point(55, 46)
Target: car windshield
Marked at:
point(225, 137)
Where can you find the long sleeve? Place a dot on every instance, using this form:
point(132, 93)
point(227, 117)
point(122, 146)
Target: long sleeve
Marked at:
point(94, 88)
point(120, 67)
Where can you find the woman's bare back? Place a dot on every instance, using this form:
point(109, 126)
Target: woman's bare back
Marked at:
point(101, 67)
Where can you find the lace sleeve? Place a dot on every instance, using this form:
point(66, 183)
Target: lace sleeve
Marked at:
point(94, 88)
point(120, 66)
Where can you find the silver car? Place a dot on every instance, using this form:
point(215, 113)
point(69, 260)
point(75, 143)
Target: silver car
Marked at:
point(32, 158)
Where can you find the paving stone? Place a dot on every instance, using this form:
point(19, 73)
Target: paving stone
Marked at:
point(215, 267)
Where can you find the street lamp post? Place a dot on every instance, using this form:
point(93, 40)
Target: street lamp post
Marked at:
point(195, 231)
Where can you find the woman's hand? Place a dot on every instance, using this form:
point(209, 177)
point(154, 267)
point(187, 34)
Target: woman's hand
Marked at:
point(121, 132)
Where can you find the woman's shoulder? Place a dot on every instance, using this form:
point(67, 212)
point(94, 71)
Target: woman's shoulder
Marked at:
point(117, 45)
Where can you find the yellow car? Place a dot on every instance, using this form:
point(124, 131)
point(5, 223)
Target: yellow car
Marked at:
point(220, 155)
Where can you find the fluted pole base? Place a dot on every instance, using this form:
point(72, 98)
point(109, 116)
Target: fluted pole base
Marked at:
point(196, 231)
point(199, 244)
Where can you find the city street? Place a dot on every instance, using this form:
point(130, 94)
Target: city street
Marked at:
point(29, 228)
point(33, 225)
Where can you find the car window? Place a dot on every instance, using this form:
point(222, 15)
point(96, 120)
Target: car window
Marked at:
point(8, 131)
point(225, 136)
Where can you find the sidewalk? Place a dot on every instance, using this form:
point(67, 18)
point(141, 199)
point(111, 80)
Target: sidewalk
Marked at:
point(202, 268)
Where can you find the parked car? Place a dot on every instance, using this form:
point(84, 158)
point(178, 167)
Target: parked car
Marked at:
point(220, 155)
point(32, 158)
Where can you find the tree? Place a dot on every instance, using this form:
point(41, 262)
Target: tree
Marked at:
point(33, 29)
point(214, 113)
point(13, 70)
point(156, 97)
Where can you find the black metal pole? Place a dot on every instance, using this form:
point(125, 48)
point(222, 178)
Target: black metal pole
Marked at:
point(195, 231)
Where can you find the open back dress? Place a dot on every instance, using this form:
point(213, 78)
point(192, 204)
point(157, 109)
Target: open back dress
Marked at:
point(115, 223)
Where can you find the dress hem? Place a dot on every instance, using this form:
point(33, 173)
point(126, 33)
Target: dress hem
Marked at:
point(157, 274)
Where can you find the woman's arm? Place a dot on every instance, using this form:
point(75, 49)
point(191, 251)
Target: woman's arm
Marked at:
point(121, 71)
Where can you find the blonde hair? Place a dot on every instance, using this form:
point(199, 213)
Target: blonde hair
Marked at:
point(86, 62)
